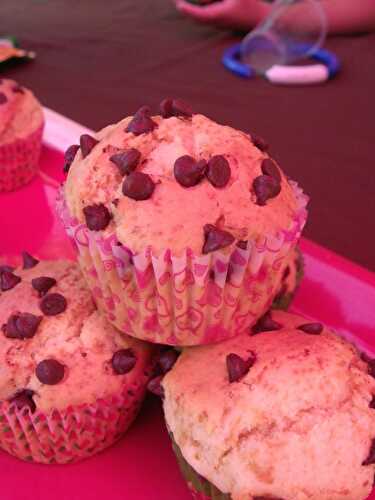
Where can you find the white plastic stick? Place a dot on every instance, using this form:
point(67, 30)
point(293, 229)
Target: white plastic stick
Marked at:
point(297, 75)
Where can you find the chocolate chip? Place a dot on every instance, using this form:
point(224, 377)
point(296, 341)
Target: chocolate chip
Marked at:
point(123, 361)
point(215, 238)
point(155, 386)
point(237, 367)
point(371, 456)
point(43, 284)
point(218, 171)
point(97, 216)
point(8, 280)
point(24, 399)
point(311, 328)
point(181, 108)
point(87, 143)
point(53, 304)
point(188, 172)
point(17, 89)
point(259, 142)
point(270, 168)
point(242, 244)
point(265, 187)
point(372, 402)
point(138, 186)
point(175, 107)
point(29, 261)
point(69, 156)
point(126, 160)
point(141, 122)
point(266, 324)
point(9, 269)
point(50, 372)
point(167, 359)
point(166, 109)
point(21, 326)
point(3, 98)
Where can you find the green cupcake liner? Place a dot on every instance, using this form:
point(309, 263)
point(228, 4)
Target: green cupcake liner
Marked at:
point(196, 482)
point(283, 301)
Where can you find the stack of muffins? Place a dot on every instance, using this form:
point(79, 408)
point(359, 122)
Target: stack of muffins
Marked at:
point(186, 233)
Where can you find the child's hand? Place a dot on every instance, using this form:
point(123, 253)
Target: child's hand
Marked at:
point(242, 14)
point(343, 16)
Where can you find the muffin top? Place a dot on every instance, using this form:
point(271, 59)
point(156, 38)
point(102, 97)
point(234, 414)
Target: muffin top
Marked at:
point(55, 347)
point(284, 414)
point(20, 112)
point(178, 182)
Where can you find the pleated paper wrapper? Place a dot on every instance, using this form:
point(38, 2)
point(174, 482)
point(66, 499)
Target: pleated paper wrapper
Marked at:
point(183, 300)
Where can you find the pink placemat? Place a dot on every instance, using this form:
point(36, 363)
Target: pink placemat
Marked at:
point(141, 466)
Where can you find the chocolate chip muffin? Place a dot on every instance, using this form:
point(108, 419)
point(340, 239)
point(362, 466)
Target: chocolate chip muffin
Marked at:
point(182, 224)
point(21, 127)
point(70, 383)
point(286, 413)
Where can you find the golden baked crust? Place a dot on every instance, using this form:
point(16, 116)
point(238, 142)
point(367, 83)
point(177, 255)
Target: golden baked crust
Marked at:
point(298, 426)
point(174, 216)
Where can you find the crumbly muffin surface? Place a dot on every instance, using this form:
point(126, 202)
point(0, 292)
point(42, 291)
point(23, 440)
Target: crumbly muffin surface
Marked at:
point(41, 320)
point(298, 425)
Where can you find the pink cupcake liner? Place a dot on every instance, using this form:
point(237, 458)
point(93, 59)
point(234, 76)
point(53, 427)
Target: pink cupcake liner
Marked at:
point(19, 160)
point(72, 434)
point(186, 300)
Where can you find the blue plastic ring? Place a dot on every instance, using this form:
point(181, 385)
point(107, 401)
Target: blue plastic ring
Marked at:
point(231, 60)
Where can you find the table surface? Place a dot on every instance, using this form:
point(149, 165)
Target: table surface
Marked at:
point(99, 61)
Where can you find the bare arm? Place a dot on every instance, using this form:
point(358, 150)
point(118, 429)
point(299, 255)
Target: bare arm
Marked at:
point(343, 16)
point(350, 16)
point(242, 14)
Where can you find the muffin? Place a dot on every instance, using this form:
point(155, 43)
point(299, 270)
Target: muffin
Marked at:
point(70, 383)
point(290, 280)
point(21, 128)
point(284, 414)
point(182, 224)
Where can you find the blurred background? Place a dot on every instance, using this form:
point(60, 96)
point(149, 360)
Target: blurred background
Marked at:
point(99, 61)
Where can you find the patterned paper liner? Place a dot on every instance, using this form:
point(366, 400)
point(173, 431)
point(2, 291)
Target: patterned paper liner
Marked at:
point(19, 160)
point(200, 488)
point(72, 434)
point(186, 300)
